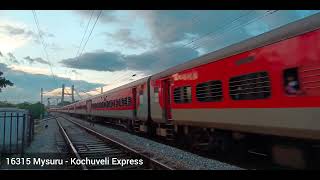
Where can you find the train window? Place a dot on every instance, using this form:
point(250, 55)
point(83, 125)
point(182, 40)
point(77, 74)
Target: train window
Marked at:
point(209, 91)
point(119, 102)
point(250, 86)
point(291, 81)
point(182, 94)
point(129, 101)
point(122, 102)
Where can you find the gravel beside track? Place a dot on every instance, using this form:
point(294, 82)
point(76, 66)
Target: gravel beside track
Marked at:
point(186, 159)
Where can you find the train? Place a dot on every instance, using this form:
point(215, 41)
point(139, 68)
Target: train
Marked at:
point(262, 93)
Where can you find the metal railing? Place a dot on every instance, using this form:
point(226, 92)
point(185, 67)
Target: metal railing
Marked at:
point(16, 131)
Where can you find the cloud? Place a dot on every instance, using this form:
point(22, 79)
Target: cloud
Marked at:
point(15, 31)
point(107, 16)
point(125, 38)
point(160, 59)
point(14, 35)
point(150, 61)
point(38, 60)
point(30, 70)
point(75, 72)
point(27, 86)
point(1, 54)
point(171, 26)
point(13, 59)
point(100, 61)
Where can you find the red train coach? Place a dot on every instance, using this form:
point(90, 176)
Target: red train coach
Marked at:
point(124, 105)
point(262, 93)
point(268, 85)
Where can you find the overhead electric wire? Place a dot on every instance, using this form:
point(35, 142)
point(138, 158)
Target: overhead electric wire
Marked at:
point(224, 25)
point(268, 12)
point(43, 44)
point(205, 35)
point(90, 33)
point(241, 25)
point(84, 34)
point(81, 52)
point(211, 32)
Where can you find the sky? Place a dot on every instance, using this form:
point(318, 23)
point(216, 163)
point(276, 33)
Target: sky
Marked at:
point(107, 48)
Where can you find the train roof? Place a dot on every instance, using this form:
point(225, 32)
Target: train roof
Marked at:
point(134, 83)
point(287, 31)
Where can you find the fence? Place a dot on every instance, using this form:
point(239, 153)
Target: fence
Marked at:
point(16, 130)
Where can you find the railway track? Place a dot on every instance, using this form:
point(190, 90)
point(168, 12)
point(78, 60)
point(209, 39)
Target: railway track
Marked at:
point(253, 161)
point(87, 145)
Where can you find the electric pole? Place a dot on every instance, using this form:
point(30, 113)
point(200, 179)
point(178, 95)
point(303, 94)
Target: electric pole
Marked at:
point(72, 93)
point(41, 103)
point(62, 95)
point(48, 102)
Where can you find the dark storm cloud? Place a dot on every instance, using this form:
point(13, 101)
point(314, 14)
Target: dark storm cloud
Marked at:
point(27, 86)
point(38, 60)
point(100, 61)
point(206, 30)
point(160, 59)
point(125, 37)
point(170, 26)
point(149, 61)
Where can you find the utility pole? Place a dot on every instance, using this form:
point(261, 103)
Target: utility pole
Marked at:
point(41, 95)
point(48, 102)
point(41, 102)
point(102, 90)
point(72, 93)
point(62, 96)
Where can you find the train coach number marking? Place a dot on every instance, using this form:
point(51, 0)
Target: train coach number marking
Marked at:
point(245, 60)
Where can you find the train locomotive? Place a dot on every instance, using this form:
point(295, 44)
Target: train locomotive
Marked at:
point(261, 93)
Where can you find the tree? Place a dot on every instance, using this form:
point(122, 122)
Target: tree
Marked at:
point(35, 109)
point(4, 82)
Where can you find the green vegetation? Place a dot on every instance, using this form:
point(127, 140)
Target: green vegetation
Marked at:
point(35, 109)
point(4, 82)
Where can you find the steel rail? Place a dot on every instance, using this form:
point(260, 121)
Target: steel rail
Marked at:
point(103, 137)
point(70, 144)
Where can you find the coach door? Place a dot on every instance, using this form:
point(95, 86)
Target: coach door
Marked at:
point(134, 95)
point(166, 99)
point(89, 103)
